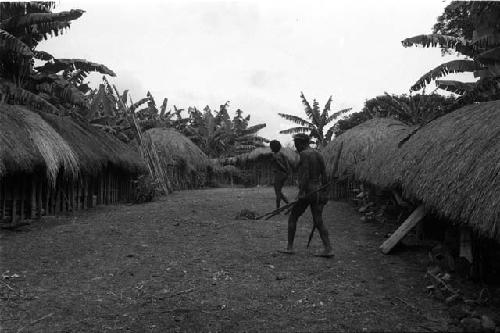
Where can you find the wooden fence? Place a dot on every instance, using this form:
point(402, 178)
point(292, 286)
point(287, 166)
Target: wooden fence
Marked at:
point(31, 196)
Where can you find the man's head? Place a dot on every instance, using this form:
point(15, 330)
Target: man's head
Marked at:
point(301, 141)
point(275, 146)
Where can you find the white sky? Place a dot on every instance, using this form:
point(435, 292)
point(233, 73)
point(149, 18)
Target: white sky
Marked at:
point(257, 54)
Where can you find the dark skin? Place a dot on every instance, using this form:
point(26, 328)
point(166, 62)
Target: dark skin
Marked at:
point(279, 182)
point(305, 201)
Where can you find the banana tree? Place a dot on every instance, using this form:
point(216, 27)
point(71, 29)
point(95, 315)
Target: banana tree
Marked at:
point(317, 121)
point(470, 29)
point(56, 85)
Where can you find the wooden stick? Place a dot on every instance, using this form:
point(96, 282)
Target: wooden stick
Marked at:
point(412, 220)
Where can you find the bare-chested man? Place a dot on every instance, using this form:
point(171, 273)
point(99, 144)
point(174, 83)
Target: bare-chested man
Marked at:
point(312, 175)
point(281, 170)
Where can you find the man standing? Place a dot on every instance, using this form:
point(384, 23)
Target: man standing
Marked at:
point(280, 170)
point(312, 176)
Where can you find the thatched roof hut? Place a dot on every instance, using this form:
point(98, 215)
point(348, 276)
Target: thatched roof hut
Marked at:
point(369, 152)
point(177, 150)
point(453, 166)
point(29, 145)
point(259, 155)
point(33, 143)
point(96, 149)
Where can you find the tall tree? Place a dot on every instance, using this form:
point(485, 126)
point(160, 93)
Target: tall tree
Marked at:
point(471, 29)
point(317, 121)
point(57, 85)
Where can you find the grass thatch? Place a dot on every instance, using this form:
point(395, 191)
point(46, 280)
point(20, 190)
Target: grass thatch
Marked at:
point(96, 150)
point(177, 150)
point(259, 155)
point(28, 144)
point(369, 152)
point(453, 166)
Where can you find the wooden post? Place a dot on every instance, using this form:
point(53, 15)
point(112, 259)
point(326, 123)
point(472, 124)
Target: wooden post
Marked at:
point(57, 201)
point(73, 189)
point(412, 220)
point(39, 198)
point(85, 188)
point(23, 199)
point(14, 204)
point(48, 193)
point(33, 197)
point(2, 200)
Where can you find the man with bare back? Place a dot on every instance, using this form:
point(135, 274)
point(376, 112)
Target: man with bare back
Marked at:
point(281, 169)
point(312, 176)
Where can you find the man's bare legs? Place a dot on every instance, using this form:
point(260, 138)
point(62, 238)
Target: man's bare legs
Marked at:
point(317, 213)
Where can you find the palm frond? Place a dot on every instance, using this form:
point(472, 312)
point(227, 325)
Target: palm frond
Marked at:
point(433, 40)
point(138, 103)
point(307, 107)
point(24, 22)
point(454, 66)
point(316, 113)
point(326, 110)
point(11, 94)
point(10, 43)
point(295, 119)
point(42, 55)
point(336, 115)
point(254, 129)
point(456, 87)
point(295, 130)
point(74, 64)
point(329, 134)
point(163, 107)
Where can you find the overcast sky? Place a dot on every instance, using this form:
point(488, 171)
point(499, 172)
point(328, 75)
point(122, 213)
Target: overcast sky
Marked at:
point(259, 55)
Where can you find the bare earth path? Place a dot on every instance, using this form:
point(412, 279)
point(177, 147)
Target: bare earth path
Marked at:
point(183, 263)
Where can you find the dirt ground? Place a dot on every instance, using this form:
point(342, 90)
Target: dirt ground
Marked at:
point(183, 263)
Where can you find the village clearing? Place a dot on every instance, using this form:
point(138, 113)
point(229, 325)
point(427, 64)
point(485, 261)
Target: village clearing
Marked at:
point(184, 263)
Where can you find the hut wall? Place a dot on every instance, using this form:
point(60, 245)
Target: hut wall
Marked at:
point(32, 196)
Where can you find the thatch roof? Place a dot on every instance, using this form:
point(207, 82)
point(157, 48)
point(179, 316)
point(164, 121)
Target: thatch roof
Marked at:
point(28, 144)
point(96, 149)
point(176, 149)
point(261, 154)
point(50, 144)
point(369, 152)
point(453, 166)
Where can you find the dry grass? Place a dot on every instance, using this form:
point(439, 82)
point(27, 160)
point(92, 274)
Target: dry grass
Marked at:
point(28, 143)
point(452, 164)
point(369, 152)
point(177, 150)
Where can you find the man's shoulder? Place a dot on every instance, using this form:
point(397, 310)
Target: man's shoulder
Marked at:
point(309, 152)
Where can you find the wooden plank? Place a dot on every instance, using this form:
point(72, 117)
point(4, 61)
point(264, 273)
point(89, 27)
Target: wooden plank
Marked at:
point(412, 220)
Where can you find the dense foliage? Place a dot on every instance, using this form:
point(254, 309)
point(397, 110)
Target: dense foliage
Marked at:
point(317, 121)
point(411, 110)
point(472, 30)
point(55, 85)
point(213, 131)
